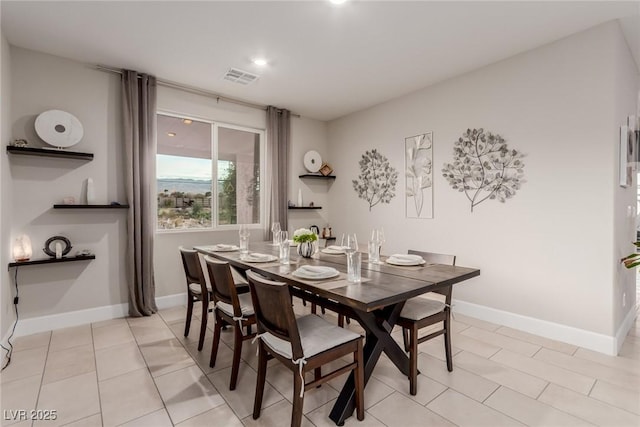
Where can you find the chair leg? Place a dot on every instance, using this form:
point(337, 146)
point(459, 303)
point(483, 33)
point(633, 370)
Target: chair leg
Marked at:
point(187, 324)
point(413, 360)
point(405, 338)
point(296, 414)
point(216, 341)
point(203, 323)
point(262, 375)
point(447, 343)
point(317, 374)
point(359, 380)
point(341, 320)
point(237, 351)
point(313, 308)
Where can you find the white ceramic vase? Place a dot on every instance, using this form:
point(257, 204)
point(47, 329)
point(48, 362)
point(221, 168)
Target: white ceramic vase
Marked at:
point(91, 194)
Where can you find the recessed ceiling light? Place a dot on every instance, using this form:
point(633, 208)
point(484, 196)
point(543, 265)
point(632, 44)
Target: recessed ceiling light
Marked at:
point(171, 134)
point(187, 121)
point(337, 1)
point(260, 62)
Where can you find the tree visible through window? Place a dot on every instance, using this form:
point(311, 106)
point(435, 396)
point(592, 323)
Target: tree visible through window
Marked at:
point(187, 198)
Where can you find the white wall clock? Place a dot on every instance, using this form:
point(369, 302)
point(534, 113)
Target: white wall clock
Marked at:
point(312, 161)
point(59, 128)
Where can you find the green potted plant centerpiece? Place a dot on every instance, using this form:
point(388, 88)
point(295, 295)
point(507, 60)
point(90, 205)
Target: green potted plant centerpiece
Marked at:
point(305, 239)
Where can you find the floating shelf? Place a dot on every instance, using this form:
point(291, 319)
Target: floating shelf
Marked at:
point(90, 206)
point(52, 260)
point(305, 207)
point(316, 176)
point(49, 152)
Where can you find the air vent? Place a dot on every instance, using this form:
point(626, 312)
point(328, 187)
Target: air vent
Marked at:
point(239, 76)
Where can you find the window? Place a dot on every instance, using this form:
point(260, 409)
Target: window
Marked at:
point(190, 153)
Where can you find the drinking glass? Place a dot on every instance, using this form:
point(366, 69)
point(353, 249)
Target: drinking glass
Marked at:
point(354, 259)
point(381, 240)
point(275, 231)
point(350, 244)
point(283, 237)
point(243, 233)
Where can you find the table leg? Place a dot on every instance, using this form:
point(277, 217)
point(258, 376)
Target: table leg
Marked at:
point(378, 326)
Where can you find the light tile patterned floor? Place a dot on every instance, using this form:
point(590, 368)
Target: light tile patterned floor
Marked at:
point(144, 372)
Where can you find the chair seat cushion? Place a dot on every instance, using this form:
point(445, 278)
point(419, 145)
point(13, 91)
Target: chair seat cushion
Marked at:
point(316, 335)
point(245, 305)
point(196, 289)
point(420, 308)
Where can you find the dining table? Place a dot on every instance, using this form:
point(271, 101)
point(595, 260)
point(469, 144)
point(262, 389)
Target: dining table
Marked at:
point(375, 302)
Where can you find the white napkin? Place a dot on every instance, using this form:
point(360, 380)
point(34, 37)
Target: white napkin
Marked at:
point(316, 271)
point(336, 248)
point(406, 258)
point(222, 246)
point(259, 257)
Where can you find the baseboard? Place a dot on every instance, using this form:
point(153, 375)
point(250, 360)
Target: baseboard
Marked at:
point(80, 317)
point(623, 330)
point(171, 301)
point(556, 331)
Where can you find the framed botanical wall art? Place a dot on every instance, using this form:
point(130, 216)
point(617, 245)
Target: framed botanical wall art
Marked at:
point(418, 161)
point(627, 156)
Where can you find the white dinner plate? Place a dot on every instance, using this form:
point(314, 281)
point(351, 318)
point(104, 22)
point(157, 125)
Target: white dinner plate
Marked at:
point(223, 248)
point(256, 257)
point(405, 260)
point(315, 273)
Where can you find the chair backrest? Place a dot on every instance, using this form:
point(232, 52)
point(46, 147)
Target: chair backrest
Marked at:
point(436, 258)
point(274, 312)
point(223, 287)
point(193, 268)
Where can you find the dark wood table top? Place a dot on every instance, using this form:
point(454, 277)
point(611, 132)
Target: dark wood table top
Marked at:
point(382, 284)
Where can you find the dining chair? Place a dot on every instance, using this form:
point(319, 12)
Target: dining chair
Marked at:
point(196, 291)
point(419, 313)
point(231, 309)
point(302, 345)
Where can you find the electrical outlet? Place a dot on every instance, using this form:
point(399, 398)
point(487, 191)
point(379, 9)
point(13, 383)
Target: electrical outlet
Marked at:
point(624, 299)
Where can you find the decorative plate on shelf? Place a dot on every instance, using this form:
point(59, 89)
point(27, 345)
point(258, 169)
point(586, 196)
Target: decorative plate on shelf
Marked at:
point(59, 128)
point(312, 161)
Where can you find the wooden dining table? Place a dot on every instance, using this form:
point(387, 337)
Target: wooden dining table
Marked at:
point(375, 302)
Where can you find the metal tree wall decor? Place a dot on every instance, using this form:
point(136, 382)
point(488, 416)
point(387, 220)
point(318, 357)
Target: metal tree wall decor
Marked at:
point(484, 167)
point(377, 180)
point(418, 160)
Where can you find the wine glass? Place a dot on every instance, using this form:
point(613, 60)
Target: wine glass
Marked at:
point(374, 247)
point(350, 243)
point(275, 231)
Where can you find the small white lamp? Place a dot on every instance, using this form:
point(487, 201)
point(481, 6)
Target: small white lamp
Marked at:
point(22, 248)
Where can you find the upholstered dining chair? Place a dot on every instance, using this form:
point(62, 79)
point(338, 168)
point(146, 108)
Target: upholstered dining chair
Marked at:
point(196, 291)
point(302, 345)
point(231, 309)
point(419, 313)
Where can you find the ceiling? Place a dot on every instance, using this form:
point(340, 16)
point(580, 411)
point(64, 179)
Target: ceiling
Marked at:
point(325, 61)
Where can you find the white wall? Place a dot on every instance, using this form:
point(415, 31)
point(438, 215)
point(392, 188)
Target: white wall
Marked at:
point(546, 254)
point(308, 134)
point(626, 103)
point(6, 299)
point(41, 82)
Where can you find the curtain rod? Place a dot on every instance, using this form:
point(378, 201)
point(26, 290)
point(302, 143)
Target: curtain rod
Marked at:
point(194, 90)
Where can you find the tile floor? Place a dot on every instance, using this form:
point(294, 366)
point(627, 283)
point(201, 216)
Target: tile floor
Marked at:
point(144, 372)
